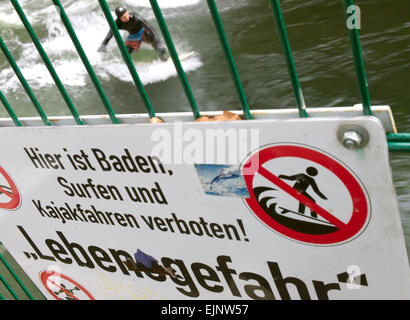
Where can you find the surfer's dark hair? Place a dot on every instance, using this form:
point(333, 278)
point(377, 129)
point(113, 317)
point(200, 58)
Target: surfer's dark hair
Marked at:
point(120, 11)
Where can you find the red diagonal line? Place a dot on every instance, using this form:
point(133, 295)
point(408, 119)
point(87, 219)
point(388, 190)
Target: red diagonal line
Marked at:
point(10, 195)
point(70, 294)
point(301, 198)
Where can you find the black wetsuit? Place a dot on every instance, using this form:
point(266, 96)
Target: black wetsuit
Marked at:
point(134, 26)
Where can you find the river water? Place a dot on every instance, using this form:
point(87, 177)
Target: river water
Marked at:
point(318, 38)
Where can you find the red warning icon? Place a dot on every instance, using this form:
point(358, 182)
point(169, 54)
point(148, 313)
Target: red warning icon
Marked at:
point(10, 198)
point(62, 287)
point(306, 195)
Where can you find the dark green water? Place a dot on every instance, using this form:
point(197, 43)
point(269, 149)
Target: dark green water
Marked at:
point(318, 36)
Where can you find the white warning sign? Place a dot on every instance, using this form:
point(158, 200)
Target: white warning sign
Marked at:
point(231, 210)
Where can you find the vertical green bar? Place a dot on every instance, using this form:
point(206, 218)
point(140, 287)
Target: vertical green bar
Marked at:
point(283, 36)
point(127, 58)
point(24, 82)
point(9, 288)
point(46, 60)
point(358, 59)
point(228, 55)
point(85, 60)
point(9, 110)
point(16, 277)
point(174, 55)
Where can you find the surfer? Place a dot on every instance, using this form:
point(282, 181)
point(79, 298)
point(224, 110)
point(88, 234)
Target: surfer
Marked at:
point(303, 181)
point(139, 31)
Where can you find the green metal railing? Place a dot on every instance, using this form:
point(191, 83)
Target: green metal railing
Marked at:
point(10, 110)
point(13, 286)
point(174, 55)
point(46, 60)
point(228, 55)
point(398, 142)
point(16, 279)
point(395, 146)
point(284, 40)
point(85, 61)
point(358, 61)
point(127, 58)
point(24, 83)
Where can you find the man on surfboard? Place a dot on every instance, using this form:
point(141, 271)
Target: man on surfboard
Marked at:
point(139, 29)
point(303, 182)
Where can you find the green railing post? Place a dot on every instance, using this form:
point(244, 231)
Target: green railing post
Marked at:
point(24, 82)
point(358, 60)
point(46, 60)
point(85, 61)
point(228, 55)
point(22, 286)
point(10, 110)
point(127, 58)
point(284, 40)
point(174, 55)
point(5, 283)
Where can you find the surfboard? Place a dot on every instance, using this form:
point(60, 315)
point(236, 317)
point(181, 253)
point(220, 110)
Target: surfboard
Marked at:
point(150, 58)
point(183, 56)
point(301, 216)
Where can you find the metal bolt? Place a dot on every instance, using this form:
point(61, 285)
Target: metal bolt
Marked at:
point(352, 139)
point(353, 136)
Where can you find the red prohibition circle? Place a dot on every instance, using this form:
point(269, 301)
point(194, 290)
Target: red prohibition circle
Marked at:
point(45, 275)
point(345, 231)
point(14, 195)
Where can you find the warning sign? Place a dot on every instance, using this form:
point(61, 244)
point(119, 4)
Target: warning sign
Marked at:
point(119, 219)
point(62, 287)
point(306, 195)
point(9, 195)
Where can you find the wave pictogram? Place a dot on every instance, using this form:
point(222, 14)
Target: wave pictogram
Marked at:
point(289, 218)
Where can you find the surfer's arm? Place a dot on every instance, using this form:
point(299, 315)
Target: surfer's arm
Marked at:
point(107, 39)
point(316, 189)
point(282, 176)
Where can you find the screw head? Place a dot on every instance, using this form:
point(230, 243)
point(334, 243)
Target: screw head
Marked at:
point(353, 137)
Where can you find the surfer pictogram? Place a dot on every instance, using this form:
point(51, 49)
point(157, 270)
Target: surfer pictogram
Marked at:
point(293, 179)
point(303, 182)
point(284, 213)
